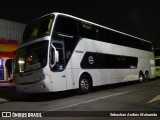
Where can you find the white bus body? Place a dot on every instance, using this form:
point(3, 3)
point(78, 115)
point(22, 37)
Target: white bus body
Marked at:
point(63, 60)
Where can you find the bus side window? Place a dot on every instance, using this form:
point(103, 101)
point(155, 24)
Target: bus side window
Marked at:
point(66, 25)
point(117, 38)
point(103, 34)
point(87, 30)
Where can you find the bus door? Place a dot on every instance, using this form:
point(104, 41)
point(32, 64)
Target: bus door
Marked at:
point(58, 73)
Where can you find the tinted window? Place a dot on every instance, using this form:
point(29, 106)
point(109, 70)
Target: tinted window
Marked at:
point(103, 34)
point(127, 41)
point(86, 30)
point(147, 46)
point(136, 43)
point(37, 29)
point(108, 61)
point(117, 38)
point(69, 44)
point(66, 25)
point(31, 57)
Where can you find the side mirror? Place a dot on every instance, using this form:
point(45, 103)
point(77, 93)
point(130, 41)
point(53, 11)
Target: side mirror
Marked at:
point(56, 56)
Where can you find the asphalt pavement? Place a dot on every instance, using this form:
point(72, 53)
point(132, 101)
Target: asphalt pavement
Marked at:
point(7, 94)
point(134, 97)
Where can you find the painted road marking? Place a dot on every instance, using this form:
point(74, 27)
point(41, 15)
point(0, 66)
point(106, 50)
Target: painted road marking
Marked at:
point(154, 99)
point(88, 101)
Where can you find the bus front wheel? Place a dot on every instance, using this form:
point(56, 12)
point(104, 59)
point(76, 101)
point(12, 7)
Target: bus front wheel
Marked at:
point(84, 85)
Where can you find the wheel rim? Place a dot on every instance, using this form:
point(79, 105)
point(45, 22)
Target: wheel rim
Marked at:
point(84, 84)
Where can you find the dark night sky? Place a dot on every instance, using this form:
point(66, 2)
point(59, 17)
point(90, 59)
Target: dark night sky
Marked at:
point(136, 17)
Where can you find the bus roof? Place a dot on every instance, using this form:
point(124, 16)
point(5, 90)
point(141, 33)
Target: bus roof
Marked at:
point(67, 15)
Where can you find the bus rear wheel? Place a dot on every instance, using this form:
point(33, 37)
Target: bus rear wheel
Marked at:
point(141, 77)
point(84, 85)
point(146, 75)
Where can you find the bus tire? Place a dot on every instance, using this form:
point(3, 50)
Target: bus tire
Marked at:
point(146, 75)
point(84, 84)
point(141, 77)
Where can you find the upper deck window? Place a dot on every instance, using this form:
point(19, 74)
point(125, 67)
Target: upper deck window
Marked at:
point(66, 25)
point(87, 30)
point(37, 29)
point(103, 34)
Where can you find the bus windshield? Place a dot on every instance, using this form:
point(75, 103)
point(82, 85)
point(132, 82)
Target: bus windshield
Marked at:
point(37, 29)
point(31, 57)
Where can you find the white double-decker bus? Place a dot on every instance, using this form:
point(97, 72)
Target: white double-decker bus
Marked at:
point(61, 52)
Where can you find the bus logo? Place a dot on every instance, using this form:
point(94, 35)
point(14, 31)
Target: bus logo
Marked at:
point(91, 60)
